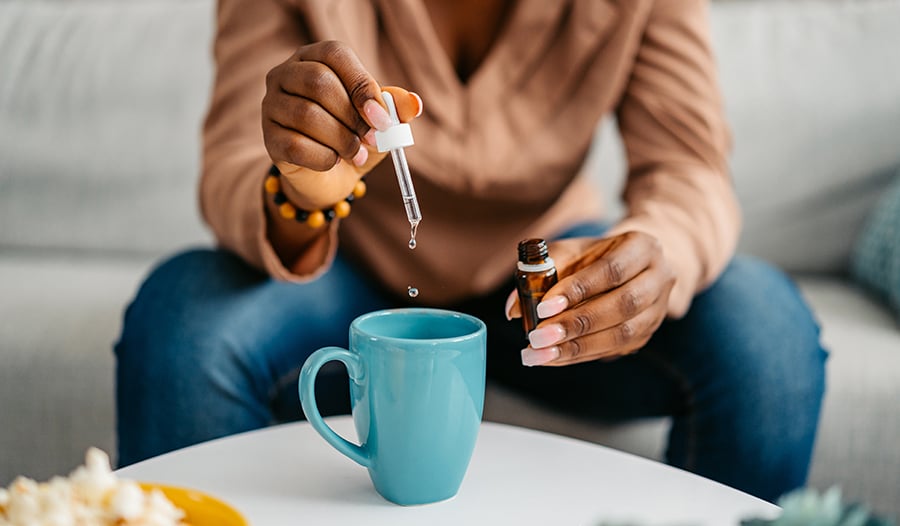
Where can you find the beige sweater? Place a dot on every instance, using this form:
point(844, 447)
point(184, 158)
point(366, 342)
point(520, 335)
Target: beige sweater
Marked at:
point(496, 159)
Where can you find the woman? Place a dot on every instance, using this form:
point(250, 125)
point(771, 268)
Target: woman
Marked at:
point(653, 314)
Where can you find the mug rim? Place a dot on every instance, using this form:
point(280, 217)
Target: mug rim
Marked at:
point(481, 327)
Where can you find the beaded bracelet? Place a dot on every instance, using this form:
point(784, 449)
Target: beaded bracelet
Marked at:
point(314, 218)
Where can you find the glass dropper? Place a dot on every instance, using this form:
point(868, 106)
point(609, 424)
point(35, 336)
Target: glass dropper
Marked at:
point(394, 139)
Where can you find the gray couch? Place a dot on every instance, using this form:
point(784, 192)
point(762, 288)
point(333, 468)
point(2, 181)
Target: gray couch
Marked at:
point(100, 105)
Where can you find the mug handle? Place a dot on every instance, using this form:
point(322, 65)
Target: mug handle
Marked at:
point(307, 388)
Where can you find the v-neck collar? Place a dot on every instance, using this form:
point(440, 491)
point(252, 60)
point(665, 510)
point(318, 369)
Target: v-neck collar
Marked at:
point(425, 61)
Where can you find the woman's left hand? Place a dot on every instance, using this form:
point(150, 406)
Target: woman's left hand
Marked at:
point(612, 295)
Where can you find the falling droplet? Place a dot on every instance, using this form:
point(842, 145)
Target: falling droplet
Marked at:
point(412, 244)
point(412, 291)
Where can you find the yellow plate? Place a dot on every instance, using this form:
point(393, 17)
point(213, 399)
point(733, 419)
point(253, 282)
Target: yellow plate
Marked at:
point(199, 508)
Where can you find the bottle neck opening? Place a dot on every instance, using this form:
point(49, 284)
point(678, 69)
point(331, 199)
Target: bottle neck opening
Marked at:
point(533, 251)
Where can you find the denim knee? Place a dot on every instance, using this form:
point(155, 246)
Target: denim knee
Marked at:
point(211, 346)
point(759, 315)
point(180, 312)
point(762, 372)
point(771, 312)
point(180, 363)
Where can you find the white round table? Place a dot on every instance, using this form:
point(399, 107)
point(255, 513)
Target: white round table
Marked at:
point(288, 475)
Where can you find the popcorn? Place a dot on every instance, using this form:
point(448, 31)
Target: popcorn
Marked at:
point(90, 496)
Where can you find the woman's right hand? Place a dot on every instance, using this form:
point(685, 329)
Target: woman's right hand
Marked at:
point(321, 107)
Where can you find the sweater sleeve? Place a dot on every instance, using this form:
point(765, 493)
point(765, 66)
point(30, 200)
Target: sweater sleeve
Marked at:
point(672, 124)
point(252, 37)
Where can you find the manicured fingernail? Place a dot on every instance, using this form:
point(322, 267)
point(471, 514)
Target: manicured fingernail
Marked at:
point(551, 307)
point(378, 116)
point(420, 106)
point(510, 301)
point(361, 156)
point(369, 138)
point(532, 357)
point(546, 336)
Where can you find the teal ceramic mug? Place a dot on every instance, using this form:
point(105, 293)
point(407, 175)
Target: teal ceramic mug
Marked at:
point(417, 394)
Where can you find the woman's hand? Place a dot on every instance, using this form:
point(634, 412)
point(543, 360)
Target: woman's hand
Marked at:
point(321, 106)
point(612, 296)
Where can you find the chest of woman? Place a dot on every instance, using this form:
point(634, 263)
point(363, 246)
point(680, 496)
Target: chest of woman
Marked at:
point(511, 100)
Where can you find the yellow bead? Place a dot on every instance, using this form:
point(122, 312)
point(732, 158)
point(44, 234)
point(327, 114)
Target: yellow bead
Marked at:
point(359, 189)
point(272, 185)
point(342, 209)
point(287, 211)
point(316, 219)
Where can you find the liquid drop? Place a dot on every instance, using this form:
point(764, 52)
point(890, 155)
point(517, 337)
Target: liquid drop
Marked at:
point(413, 226)
point(412, 291)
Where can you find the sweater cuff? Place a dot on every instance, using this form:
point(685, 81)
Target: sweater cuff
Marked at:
point(243, 228)
point(312, 269)
point(312, 263)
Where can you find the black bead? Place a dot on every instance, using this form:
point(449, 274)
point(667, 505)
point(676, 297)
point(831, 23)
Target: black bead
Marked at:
point(350, 198)
point(279, 198)
point(329, 214)
point(302, 216)
point(274, 170)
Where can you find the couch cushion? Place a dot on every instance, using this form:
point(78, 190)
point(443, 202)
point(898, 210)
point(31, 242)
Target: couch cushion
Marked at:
point(811, 94)
point(59, 318)
point(100, 111)
point(811, 89)
point(857, 442)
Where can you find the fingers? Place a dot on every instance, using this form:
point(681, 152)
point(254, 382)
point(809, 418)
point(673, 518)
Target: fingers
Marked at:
point(324, 99)
point(287, 146)
point(609, 307)
point(601, 312)
point(317, 82)
point(614, 342)
point(512, 309)
point(302, 122)
point(300, 127)
point(605, 266)
point(321, 106)
point(360, 86)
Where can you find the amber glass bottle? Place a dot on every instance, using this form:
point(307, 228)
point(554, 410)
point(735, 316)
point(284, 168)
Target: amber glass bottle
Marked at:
point(535, 275)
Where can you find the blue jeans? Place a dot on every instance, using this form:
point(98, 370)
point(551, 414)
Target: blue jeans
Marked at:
point(211, 347)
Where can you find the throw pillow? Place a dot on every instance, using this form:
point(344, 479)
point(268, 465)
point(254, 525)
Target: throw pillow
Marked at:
point(876, 256)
